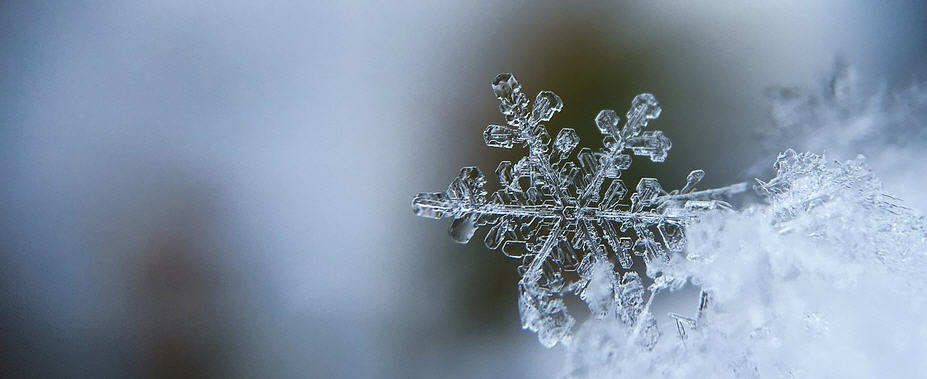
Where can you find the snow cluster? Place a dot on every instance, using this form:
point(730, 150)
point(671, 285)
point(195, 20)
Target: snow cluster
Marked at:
point(824, 278)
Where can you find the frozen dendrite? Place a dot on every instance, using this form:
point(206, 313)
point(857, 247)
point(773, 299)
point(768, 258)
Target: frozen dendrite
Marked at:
point(822, 277)
point(566, 216)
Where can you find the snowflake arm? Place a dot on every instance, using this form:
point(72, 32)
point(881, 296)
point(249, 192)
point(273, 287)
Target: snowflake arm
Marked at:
point(552, 214)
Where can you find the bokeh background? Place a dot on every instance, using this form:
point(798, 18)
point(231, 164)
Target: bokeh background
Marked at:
point(205, 189)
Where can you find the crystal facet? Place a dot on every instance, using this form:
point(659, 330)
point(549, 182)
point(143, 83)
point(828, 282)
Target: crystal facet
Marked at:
point(560, 216)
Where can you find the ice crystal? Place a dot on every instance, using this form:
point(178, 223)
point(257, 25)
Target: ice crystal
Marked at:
point(570, 221)
point(821, 277)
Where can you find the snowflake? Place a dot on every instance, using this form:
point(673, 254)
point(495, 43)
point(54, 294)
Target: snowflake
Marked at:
point(568, 220)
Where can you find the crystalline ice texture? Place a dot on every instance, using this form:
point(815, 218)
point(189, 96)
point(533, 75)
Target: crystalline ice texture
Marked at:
point(559, 216)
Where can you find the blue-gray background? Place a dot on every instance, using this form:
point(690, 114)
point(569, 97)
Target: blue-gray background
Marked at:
point(207, 189)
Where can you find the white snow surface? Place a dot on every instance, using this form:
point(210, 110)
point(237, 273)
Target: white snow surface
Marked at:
point(823, 278)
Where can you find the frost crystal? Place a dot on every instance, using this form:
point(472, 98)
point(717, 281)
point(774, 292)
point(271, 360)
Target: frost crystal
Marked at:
point(569, 221)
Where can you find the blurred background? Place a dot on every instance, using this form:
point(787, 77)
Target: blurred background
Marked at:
point(195, 189)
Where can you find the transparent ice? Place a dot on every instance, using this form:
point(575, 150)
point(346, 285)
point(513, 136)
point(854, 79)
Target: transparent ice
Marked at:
point(569, 221)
